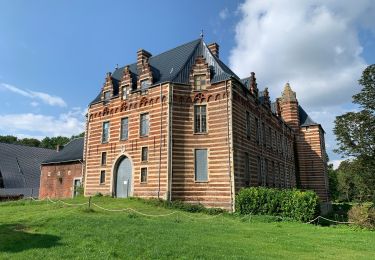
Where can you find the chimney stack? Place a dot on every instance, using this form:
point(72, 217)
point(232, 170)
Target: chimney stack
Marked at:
point(142, 58)
point(214, 48)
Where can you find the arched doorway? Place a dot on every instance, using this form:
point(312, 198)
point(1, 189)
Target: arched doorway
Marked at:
point(123, 181)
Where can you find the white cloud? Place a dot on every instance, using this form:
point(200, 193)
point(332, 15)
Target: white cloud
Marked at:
point(65, 124)
point(312, 44)
point(44, 97)
point(336, 163)
point(34, 104)
point(224, 14)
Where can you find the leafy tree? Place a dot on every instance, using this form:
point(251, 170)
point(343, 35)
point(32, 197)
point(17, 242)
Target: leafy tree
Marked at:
point(53, 142)
point(355, 133)
point(29, 142)
point(333, 182)
point(77, 136)
point(9, 139)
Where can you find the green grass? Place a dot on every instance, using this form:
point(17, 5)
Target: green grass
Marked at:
point(41, 230)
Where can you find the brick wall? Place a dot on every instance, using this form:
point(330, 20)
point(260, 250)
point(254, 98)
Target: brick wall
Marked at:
point(57, 180)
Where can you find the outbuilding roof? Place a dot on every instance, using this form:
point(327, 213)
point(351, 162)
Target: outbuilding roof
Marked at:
point(20, 165)
point(72, 151)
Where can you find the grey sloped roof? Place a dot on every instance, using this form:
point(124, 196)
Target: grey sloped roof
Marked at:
point(304, 118)
point(20, 165)
point(72, 151)
point(175, 66)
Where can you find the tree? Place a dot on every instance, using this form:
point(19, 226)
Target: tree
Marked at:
point(53, 142)
point(9, 139)
point(355, 131)
point(355, 134)
point(29, 142)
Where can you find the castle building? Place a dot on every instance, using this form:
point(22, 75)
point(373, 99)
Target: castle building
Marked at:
point(182, 126)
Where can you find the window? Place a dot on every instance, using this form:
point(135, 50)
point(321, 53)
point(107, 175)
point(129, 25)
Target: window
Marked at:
point(107, 95)
point(124, 128)
point(124, 92)
point(273, 174)
point(269, 144)
point(143, 175)
point(104, 158)
point(201, 165)
point(248, 126)
point(145, 124)
point(102, 177)
point(264, 134)
point(145, 84)
point(259, 171)
point(266, 179)
point(257, 132)
point(247, 169)
point(105, 132)
point(144, 154)
point(2, 182)
point(200, 82)
point(200, 124)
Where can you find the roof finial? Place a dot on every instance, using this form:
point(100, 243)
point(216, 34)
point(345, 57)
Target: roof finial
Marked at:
point(202, 33)
point(116, 66)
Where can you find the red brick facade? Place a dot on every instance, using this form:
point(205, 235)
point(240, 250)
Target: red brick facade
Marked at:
point(247, 144)
point(57, 180)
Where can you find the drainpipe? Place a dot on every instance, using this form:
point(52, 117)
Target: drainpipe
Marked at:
point(170, 143)
point(229, 149)
point(161, 133)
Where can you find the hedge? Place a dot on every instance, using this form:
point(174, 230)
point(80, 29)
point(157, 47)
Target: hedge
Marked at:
point(291, 203)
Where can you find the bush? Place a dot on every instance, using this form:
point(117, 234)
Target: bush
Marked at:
point(363, 216)
point(295, 204)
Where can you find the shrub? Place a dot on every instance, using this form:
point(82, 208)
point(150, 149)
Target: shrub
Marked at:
point(363, 216)
point(295, 204)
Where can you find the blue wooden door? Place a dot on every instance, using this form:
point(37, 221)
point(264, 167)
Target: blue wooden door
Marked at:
point(124, 179)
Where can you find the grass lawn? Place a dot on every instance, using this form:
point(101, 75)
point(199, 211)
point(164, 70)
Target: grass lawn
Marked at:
point(41, 230)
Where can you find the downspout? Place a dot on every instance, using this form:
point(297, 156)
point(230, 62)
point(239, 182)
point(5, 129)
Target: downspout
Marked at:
point(85, 153)
point(160, 140)
point(231, 181)
point(170, 144)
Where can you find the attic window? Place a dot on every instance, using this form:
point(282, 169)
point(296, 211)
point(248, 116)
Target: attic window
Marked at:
point(200, 82)
point(124, 92)
point(107, 95)
point(145, 84)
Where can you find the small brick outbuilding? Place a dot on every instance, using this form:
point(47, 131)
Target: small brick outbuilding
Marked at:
point(61, 175)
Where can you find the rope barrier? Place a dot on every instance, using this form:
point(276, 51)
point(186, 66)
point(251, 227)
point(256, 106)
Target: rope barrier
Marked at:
point(69, 204)
point(171, 213)
point(330, 220)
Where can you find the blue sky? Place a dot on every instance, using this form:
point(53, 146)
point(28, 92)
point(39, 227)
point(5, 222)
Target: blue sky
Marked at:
point(54, 54)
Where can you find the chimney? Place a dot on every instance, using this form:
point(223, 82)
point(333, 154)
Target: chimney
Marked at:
point(59, 147)
point(253, 86)
point(214, 48)
point(142, 58)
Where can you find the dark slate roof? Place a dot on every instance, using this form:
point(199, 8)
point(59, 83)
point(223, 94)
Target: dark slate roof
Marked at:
point(20, 165)
point(72, 151)
point(304, 118)
point(175, 66)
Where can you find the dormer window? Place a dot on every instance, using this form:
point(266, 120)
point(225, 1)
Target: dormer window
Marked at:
point(145, 84)
point(124, 92)
point(200, 82)
point(107, 96)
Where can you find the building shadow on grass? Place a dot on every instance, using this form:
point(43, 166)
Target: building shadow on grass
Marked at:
point(15, 238)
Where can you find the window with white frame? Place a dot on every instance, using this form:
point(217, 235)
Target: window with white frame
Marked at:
point(200, 119)
point(144, 124)
point(144, 154)
point(200, 82)
point(105, 132)
point(124, 131)
point(201, 169)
